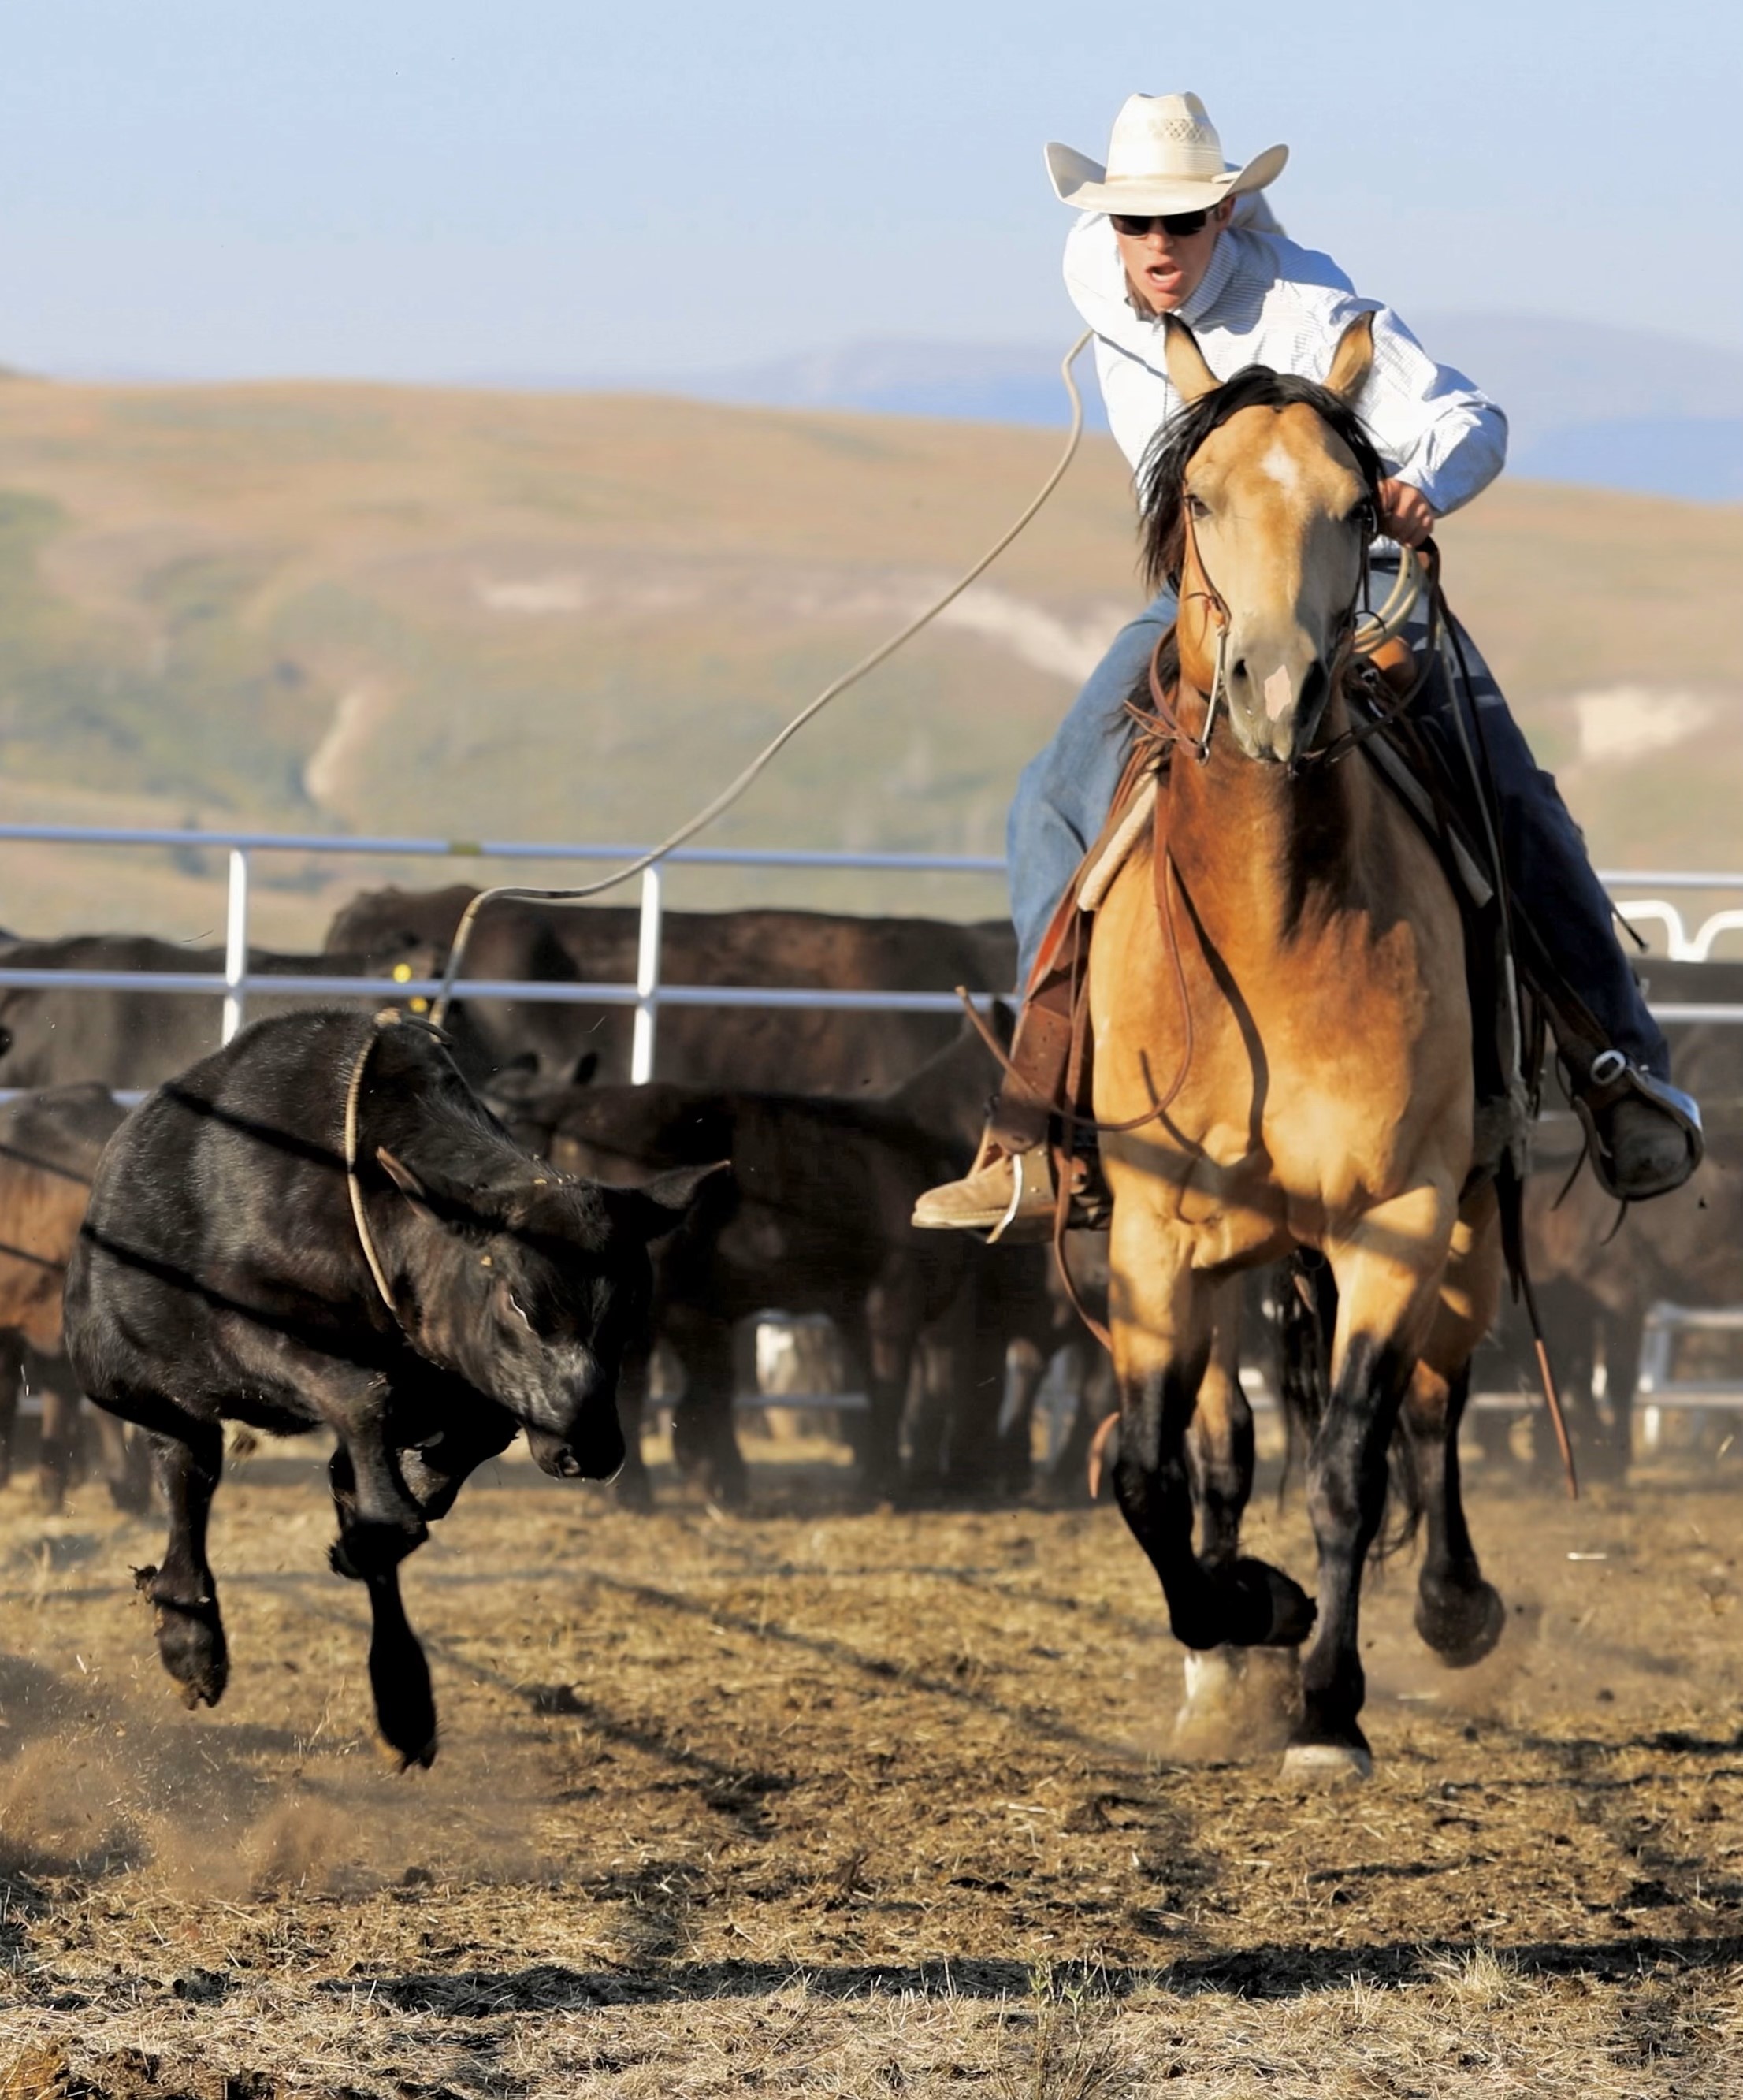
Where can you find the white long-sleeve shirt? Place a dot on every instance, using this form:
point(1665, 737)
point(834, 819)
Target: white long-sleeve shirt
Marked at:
point(1265, 300)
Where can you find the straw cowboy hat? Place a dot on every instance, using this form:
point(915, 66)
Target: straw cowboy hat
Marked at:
point(1164, 157)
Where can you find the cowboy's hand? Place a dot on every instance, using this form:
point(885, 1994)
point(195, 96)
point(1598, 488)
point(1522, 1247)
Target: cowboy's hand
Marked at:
point(1406, 512)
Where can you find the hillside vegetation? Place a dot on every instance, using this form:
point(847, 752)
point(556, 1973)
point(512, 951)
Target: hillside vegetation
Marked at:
point(354, 608)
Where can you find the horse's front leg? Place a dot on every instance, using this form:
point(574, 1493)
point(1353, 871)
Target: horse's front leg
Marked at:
point(1160, 1315)
point(1387, 1266)
point(1458, 1614)
point(1234, 1698)
point(1163, 1317)
point(1219, 1444)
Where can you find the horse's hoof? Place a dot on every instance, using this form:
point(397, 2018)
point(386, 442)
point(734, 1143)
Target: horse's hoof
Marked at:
point(1267, 1608)
point(1327, 1764)
point(1240, 1702)
point(1462, 1626)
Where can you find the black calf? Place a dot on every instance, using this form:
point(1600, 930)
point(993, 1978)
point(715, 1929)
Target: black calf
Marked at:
point(220, 1275)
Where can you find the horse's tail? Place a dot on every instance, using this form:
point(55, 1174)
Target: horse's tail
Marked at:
point(1304, 1308)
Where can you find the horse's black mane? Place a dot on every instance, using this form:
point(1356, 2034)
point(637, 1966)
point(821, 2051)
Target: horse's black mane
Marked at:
point(1162, 473)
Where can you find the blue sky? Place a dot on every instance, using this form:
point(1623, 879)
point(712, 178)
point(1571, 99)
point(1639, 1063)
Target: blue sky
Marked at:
point(532, 189)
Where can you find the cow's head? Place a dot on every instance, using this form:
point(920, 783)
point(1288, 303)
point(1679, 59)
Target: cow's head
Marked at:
point(531, 1290)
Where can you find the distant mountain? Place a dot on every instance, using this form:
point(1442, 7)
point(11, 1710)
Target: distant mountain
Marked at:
point(1598, 406)
point(1697, 457)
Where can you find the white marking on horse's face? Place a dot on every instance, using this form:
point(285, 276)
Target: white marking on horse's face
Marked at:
point(1282, 466)
point(1277, 692)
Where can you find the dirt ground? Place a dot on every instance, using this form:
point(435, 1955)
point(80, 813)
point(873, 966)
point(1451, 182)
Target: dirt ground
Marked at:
point(830, 1801)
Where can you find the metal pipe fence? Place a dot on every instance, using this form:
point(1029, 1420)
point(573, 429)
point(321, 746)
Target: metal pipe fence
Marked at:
point(648, 993)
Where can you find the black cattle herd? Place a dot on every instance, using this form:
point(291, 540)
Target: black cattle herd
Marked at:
point(424, 1244)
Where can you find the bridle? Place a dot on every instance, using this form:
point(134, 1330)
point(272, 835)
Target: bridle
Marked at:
point(1417, 575)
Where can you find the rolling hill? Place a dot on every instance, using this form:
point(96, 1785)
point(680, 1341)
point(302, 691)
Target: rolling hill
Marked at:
point(349, 608)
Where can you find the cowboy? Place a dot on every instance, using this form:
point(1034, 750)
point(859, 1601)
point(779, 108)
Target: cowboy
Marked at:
point(1169, 227)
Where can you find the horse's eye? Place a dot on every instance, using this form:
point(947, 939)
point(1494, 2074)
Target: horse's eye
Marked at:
point(1363, 516)
point(1197, 508)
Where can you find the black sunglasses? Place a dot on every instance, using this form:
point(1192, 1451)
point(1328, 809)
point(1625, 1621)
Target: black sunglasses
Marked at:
point(1177, 222)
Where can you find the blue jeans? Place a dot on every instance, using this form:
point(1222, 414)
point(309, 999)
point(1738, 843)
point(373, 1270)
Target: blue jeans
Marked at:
point(1064, 797)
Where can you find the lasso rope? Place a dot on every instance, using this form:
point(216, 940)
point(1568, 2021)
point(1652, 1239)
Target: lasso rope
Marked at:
point(731, 793)
point(353, 1110)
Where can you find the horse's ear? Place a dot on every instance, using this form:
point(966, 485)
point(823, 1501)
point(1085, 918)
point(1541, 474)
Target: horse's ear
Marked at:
point(1188, 373)
point(1352, 360)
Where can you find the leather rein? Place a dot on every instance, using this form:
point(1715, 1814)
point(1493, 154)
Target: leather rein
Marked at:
point(1353, 642)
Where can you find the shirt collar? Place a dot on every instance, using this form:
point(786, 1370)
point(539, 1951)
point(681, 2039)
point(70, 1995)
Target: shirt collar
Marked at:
point(1225, 261)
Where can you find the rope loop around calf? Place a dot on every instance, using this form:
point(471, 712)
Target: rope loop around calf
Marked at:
point(388, 1017)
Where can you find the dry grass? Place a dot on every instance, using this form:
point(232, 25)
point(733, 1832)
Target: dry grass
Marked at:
point(539, 616)
point(859, 1802)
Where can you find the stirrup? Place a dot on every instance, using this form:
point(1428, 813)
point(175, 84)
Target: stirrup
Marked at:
point(1033, 1196)
point(1612, 1079)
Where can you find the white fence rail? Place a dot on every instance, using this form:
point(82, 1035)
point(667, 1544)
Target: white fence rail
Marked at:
point(648, 993)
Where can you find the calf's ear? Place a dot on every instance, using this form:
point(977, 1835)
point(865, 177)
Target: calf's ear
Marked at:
point(401, 1175)
point(444, 1206)
point(660, 1206)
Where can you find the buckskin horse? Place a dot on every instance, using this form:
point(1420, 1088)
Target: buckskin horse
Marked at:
point(1281, 1023)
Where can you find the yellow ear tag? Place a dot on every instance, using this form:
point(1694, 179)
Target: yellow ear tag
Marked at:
point(484, 1261)
point(402, 972)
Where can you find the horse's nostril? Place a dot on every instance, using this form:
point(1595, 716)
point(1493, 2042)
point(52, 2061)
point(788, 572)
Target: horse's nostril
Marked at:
point(1238, 669)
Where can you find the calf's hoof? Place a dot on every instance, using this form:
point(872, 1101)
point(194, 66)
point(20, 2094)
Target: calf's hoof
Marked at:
point(1328, 1764)
point(410, 1736)
point(404, 1702)
point(191, 1647)
point(1461, 1625)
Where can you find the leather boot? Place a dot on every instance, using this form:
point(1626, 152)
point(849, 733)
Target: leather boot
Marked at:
point(1009, 1192)
point(1013, 1196)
